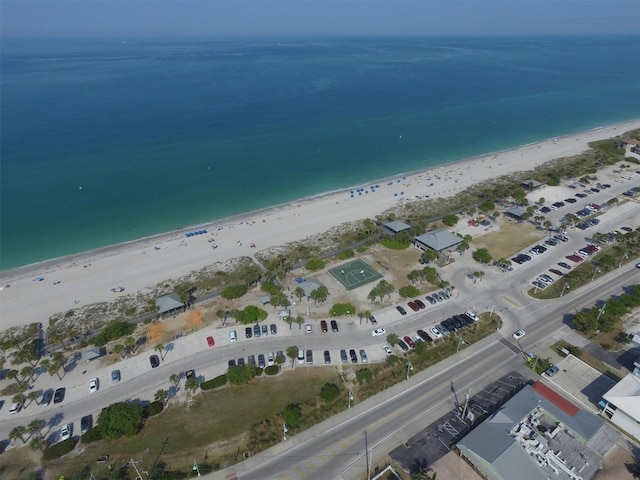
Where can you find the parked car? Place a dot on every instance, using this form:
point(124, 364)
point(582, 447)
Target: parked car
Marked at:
point(233, 336)
point(251, 359)
point(334, 326)
point(271, 359)
point(15, 408)
point(265, 330)
point(552, 370)
point(308, 327)
point(210, 341)
point(403, 345)
point(436, 333)
point(65, 433)
point(86, 423)
point(354, 357)
point(300, 356)
point(241, 361)
point(47, 396)
point(327, 357)
point(261, 361)
point(409, 341)
point(387, 350)
point(420, 304)
point(273, 329)
point(401, 310)
point(378, 332)
point(189, 374)
point(232, 362)
point(154, 360)
point(323, 326)
point(424, 336)
point(564, 265)
point(373, 320)
point(248, 332)
point(363, 356)
point(430, 299)
point(256, 331)
point(343, 356)
point(413, 306)
point(94, 385)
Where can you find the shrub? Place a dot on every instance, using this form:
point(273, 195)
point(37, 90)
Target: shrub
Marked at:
point(152, 409)
point(345, 254)
point(291, 416)
point(329, 392)
point(216, 382)
point(59, 449)
point(234, 291)
point(272, 370)
point(392, 244)
point(92, 435)
point(315, 264)
point(251, 314)
point(364, 375)
point(240, 374)
point(450, 220)
point(120, 419)
point(340, 309)
point(113, 331)
point(408, 291)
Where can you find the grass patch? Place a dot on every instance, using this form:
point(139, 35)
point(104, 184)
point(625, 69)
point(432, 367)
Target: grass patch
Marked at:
point(509, 239)
point(393, 244)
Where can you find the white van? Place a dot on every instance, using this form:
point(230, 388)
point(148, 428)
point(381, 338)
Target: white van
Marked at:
point(300, 356)
point(233, 336)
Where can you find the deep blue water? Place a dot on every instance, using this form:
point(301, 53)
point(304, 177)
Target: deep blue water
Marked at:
point(162, 134)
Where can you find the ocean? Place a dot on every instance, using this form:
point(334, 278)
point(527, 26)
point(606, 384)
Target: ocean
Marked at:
point(109, 140)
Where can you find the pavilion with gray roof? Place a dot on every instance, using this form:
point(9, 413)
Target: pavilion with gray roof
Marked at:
point(515, 212)
point(397, 226)
point(438, 240)
point(169, 304)
point(309, 286)
point(531, 184)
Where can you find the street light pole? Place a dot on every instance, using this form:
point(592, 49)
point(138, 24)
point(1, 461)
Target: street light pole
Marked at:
point(597, 270)
point(460, 340)
point(366, 452)
point(624, 257)
point(566, 286)
point(284, 432)
point(195, 467)
point(350, 398)
point(409, 369)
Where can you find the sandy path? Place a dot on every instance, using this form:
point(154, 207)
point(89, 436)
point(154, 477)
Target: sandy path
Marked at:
point(88, 278)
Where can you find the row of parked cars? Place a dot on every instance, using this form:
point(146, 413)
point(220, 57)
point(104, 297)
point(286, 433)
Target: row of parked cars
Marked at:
point(540, 249)
point(257, 331)
point(261, 362)
point(442, 329)
point(418, 304)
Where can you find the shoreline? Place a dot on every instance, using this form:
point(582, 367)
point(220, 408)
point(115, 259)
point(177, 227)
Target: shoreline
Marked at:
point(45, 265)
point(87, 277)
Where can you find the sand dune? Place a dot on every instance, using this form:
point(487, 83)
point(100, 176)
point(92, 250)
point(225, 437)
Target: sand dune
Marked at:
point(88, 278)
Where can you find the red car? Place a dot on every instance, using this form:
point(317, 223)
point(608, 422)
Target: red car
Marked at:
point(210, 341)
point(410, 341)
point(420, 304)
point(575, 258)
point(413, 306)
point(556, 271)
point(323, 326)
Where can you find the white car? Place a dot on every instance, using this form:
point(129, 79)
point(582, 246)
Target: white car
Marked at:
point(94, 385)
point(308, 327)
point(472, 315)
point(65, 433)
point(387, 350)
point(378, 332)
point(519, 334)
point(15, 408)
point(436, 333)
point(270, 358)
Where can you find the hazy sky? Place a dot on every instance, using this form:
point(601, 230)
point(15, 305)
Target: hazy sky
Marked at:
point(127, 18)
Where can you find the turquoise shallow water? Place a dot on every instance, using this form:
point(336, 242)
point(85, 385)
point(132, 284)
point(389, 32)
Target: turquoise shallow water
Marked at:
point(105, 141)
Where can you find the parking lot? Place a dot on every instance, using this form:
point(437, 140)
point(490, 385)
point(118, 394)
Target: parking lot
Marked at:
point(580, 381)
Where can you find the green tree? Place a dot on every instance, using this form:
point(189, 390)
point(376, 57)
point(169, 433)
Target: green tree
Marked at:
point(175, 379)
point(35, 427)
point(19, 398)
point(299, 320)
point(292, 416)
point(299, 292)
point(319, 295)
point(429, 256)
point(120, 419)
point(33, 396)
point(292, 353)
point(329, 392)
point(129, 344)
point(17, 433)
point(38, 443)
point(160, 348)
point(119, 349)
point(27, 373)
point(393, 339)
point(408, 291)
point(482, 255)
point(191, 384)
point(234, 291)
point(161, 396)
point(240, 374)
point(450, 220)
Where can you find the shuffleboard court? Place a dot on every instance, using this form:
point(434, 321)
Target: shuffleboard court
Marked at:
point(354, 274)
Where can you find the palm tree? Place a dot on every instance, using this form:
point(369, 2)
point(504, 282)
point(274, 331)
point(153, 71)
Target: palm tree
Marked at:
point(33, 395)
point(191, 384)
point(292, 353)
point(19, 398)
point(27, 372)
point(13, 375)
point(38, 443)
point(299, 320)
point(299, 292)
point(159, 347)
point(35, 427)
point(129, 344)
point(161, 396)
point(119, 349)
point(17, 433)
point(175, 379)
point(57, 362)
point(393, 339)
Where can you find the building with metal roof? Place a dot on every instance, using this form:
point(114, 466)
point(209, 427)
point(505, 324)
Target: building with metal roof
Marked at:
point(397, 226)
point(531, 184)
point(169, 304)
point(438, 240)
point(534, 436)
point(515, 212)
point(621, 404)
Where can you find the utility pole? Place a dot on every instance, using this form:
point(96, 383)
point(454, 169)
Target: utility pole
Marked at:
point(134, 464)
point(196, 468)
point(366, 453)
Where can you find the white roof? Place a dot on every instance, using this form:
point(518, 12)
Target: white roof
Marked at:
point(625, 395)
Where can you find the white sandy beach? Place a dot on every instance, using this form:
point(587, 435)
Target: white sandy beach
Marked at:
point(88, 278)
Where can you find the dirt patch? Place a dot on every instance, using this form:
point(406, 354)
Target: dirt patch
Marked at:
point(617, 465)
point(509, 238)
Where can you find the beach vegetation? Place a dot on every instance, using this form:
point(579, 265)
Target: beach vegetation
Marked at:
point(364, 375)
point(234, 291)
point(482, 255)
point(319, 295)
point(429, 256)
point(215, 382)
point(292, 415)
point(59, 449)
point(155, 407)
point(315, 264)
point(120, 419)
point(408, 291)
point(341, 309)
point(450, 219)
point(270, 287)
point(346, 254)
point(299, 293)
point(113, 331)
point(382, 289)
point(362, 249)
point(395, 244)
